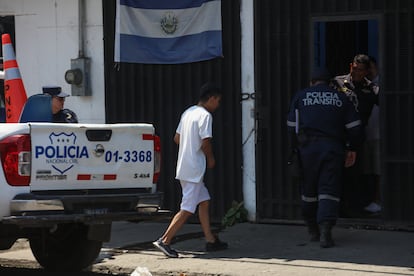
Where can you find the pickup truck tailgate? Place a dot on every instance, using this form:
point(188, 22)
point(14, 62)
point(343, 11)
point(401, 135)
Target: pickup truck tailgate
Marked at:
point(82, 156)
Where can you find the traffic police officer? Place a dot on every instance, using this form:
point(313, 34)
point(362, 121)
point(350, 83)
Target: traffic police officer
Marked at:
point(59, 114)
point(323, 121)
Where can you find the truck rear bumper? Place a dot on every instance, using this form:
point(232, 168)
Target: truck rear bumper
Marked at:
point(50, 220)
point(35, 209)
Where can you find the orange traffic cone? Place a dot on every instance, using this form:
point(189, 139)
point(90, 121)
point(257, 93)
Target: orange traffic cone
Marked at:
point(14, 92)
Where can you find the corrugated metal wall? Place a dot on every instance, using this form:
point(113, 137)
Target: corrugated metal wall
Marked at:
point(283, 55)
point(398, 111)
point(159, 94)
point(282, 40)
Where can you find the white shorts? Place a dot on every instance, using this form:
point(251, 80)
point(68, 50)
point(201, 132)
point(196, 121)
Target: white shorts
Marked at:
point(193, 194)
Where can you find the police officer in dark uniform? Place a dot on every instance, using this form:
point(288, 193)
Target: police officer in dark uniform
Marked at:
point(361, 91)
point(364, 95)
point(322, 121)
point(59, 114)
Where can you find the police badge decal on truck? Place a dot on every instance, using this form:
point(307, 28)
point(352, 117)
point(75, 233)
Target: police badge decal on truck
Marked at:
point(61, 154)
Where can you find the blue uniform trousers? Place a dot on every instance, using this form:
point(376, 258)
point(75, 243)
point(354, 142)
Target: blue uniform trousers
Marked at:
point(323, 162)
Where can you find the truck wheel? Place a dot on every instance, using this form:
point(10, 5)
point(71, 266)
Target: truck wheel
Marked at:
point(66, 249)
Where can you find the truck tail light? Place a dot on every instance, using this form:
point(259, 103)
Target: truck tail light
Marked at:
point(157, 158)
point(16, 159)
point(157, 155)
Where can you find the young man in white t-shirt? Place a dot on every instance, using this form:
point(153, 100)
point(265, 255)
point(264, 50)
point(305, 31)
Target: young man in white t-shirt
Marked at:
point(195, 154)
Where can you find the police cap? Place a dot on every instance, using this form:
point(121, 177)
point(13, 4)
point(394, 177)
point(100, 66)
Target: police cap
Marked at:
point(55, 91)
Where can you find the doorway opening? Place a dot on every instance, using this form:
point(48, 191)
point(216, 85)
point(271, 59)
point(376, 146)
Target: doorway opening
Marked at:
point(335, 43)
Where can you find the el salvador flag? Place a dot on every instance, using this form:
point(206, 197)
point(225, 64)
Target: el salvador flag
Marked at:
point(167, 31)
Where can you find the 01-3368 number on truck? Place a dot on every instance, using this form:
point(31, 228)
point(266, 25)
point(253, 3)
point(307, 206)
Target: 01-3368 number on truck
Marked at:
point(128, 156)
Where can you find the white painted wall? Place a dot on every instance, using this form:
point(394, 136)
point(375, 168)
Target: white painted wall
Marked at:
point(248, 120)
point(47, 39)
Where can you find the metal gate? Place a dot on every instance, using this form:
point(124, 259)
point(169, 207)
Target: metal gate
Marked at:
point(284, 43)
point(159, 94)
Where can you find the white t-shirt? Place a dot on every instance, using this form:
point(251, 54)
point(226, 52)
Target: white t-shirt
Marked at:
point(195, 125)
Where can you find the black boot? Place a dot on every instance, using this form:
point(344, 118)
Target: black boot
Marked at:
point(326, 240)
point(313, 230)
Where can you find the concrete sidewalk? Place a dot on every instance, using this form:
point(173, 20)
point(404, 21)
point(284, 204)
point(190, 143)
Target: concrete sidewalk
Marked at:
point(254, 249)
point(268, 249)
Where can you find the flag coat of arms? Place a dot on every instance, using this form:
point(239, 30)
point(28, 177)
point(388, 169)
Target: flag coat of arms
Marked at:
point(167, 31)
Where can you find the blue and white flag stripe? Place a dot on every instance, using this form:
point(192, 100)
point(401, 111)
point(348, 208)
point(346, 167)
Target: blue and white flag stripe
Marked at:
point(163, 4)
point(190, 21)
point(183, 32)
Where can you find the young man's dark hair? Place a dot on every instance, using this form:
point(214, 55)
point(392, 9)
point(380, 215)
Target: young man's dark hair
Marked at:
point(208, 90)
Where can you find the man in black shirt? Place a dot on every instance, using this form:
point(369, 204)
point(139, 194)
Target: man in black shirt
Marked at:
point(360, 90)
point(364, 95)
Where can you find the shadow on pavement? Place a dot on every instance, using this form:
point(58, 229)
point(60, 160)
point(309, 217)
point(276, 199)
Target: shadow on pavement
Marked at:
point(290, 242)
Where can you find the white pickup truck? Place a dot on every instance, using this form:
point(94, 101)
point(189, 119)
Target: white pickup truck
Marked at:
point(62, 185)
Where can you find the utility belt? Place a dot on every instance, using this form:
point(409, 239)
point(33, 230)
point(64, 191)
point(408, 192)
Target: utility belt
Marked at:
point(305, 138)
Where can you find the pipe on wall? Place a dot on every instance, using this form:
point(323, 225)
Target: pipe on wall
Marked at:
point(81, 24)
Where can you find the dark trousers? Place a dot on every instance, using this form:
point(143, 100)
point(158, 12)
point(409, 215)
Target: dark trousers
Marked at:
point(323, 162)
point(354, 190)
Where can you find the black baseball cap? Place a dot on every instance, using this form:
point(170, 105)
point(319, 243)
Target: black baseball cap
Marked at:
point(54, 91)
